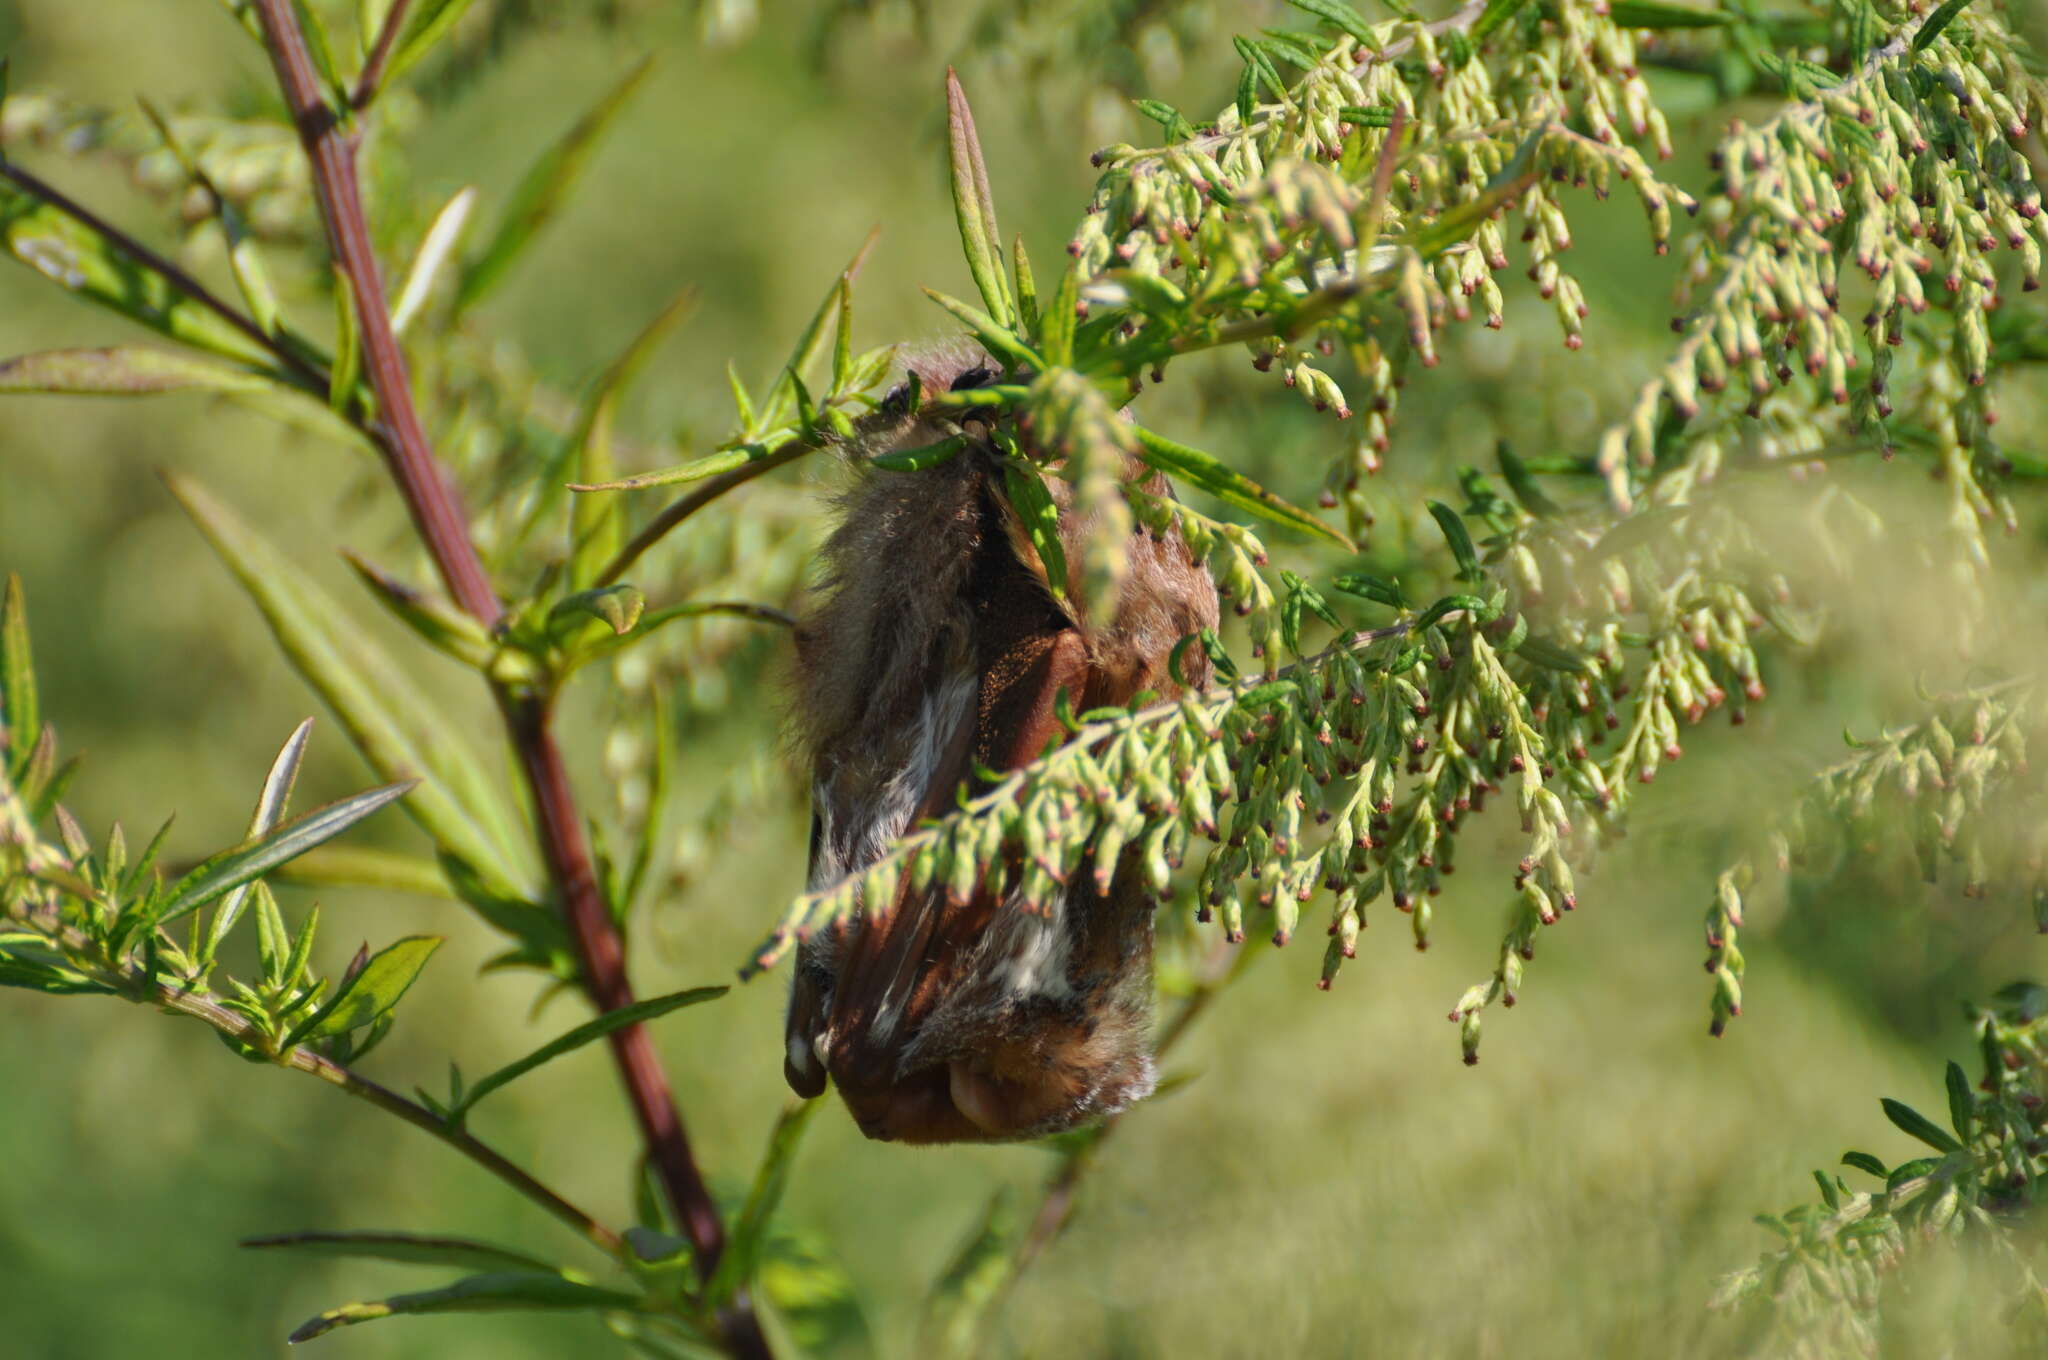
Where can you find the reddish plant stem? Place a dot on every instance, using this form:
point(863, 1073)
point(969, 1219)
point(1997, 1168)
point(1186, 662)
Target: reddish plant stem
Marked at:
point(444, 528)
point(372, 78)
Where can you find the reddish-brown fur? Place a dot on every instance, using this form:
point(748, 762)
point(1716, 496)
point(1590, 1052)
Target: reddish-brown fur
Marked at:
point(931, 645)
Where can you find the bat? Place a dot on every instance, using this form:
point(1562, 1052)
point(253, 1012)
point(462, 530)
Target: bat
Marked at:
point(933, 647)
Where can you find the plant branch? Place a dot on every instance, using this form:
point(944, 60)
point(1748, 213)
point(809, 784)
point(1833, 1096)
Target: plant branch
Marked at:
point(178, 278)
point(661, 525)
point(372, 77)
point(443, 527)
point(435, 508)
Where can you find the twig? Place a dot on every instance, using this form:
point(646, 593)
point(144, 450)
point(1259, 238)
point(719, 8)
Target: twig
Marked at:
point(372, 77)
point(444, 529)
point(663, 523)
point(178, 278)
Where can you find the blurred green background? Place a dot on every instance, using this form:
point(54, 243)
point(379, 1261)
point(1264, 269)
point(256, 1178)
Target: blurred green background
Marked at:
point(1335, 1183)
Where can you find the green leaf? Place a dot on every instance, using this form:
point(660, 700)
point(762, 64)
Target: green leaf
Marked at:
point(1256, 60)
point(1920, 1126)
point(1340, 16)
point(1936, 22)
point(545, 189)
point(20, 708)
point(696, 470)
point(249, 861)
point(1060, 320)
point(1040, 517)
point(1449, 604)
point(344, 866)
point(617, 607)
point(1541, 651)
point(1523, 483)
point(1171, 120)
point(127, 371)
point(1453, 526)
point(391, 723)
point(995, 337)
point(1962, 1105)
point(921, 458)
point(585, 1033)
point(974, 206)
point(1653, 15)
point(1497, 12)
point(744, 1244)
point(73, 250)
point(444, 627)
point(436, 252)
point(501, 1291)
point(1207, 473)
point(404, 1248)
point(781, 400)
point(371, 993)
point(1372, 588)
point(271, 802)
point(598, 523)
point(427, 24)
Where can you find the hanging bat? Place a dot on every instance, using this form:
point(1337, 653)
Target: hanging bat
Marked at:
point(934, 647)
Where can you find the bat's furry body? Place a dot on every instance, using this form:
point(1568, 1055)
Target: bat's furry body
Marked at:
point(933, 645)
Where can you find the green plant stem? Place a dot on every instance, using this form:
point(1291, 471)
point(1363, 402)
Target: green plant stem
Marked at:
point(662, 524)
point(444, 529)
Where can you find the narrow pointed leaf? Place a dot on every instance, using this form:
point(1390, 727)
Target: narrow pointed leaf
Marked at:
point(749, 1235)
point(1496, 13)
point(271, 804)
point(696, 470)
point(20, 707)
point(995, 337)
point(1920, 1126)
point(598, 522)
point(251, 860)
point(245, 258)
point(810, 345)
point(546, 187)
point(77, 256)
point(404, 1248)
point(371, 993)
point(428, 23)
point(127, 371)
point(588, 1032)
point(1654, 15)
point(1035, 508)
point(1339, 16)
point(1455, 533)
point(395, 728)
point(1936, 22)
point(974, 206)
point(1061, 319)
point(359, 866)
point(617, 607)
point(1233, 488)
point(1961, 1104)
point(501, 1291)
point(443, 626)
point(436, 253)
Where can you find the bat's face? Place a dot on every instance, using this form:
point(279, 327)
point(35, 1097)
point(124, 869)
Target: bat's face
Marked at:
point(934, 647)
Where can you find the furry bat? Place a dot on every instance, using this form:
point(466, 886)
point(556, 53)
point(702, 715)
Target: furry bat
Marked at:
point(933, 647)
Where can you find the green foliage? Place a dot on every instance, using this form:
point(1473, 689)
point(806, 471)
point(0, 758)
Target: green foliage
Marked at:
point(1541, 637)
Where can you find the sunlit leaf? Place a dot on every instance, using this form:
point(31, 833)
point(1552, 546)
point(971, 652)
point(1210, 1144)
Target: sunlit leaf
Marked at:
point(974, 206)
point(1208, 473)
point(251, 860)
point(371, 993)
point(20, 706)
point(271, 804)
point(405, 1248)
